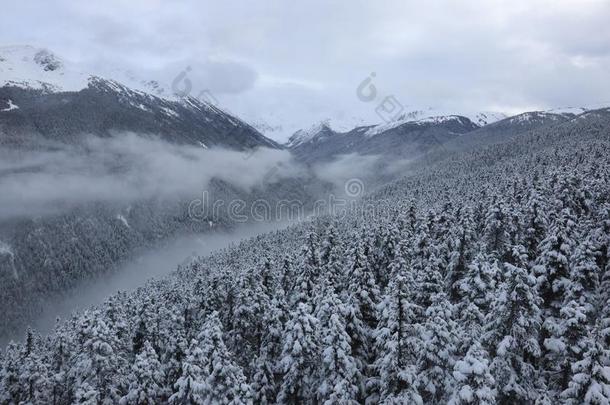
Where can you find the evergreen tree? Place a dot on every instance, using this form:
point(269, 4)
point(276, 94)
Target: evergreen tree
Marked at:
point(461, 254)
point(300, 356)
point(479, 282)
point(209, 375)
point(11, 391)
point(340, 378)
point(474, 382)
point(552, 269)
point(396, 342)
point(511, 336)
point(191, 383)
point(361, 309)
point(436, 355)
point(536, 224)
point(146, 380)
point(96, 370)
point(308, 277)
point(495, 234)
point(267, 376)
point(590, 382)
point(224, 380)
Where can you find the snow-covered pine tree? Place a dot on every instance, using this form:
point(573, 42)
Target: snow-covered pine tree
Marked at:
point(209, 374)
point(146, 379)
point(96, 372)
point(251, 302)
point(536, 223)
point(474, 382)
point(496, 231)
point(436, 354)
point(464, 235)
point(308, 277)
point(363, 297)
point(192, 380)
point(340, 380)
point(590, 382)
point(267, 375)
point(224, 379)
point(331, 259)
point(479, 282)
point(33, 376)
point(300, 357)
point(397, 340)
point(59, 364)
point(511, 336)
point(553, 265)
point(11, 392)
point(567, 342)
point(287, 275)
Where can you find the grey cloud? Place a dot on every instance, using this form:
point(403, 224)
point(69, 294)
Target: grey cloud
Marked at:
point(123, 169)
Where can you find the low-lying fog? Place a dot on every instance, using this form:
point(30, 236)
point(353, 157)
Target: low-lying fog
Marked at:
point(151, 263)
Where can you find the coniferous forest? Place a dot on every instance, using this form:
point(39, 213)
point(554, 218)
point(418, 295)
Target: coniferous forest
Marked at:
point(479, 277)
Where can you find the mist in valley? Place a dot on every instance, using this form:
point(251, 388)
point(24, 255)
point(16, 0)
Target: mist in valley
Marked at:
point(147, 264)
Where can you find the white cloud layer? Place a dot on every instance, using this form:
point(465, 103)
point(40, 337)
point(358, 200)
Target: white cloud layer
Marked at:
point(124, 169)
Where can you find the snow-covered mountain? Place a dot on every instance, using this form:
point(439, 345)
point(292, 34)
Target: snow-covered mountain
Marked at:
point(420, 131)
point(34, 68)
point(320, 131)
point(291, 132)
point(42, 96)
point(427, 116)
point(400, 139)
point(38, 68)
point(429, 120)
point(481, 118)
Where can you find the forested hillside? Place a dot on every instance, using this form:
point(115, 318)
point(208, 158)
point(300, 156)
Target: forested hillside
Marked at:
point(481, 278)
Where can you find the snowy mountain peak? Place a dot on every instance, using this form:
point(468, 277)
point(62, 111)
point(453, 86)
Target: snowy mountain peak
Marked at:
point(305, 135)
point(409, 119)
point(538, 116)
point(47, 61)
point(37, 68)
point(481, 118)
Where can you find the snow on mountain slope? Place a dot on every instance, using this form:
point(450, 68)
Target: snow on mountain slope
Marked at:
point(573, 111)
point(486, 117)
point(306, 135)
point(10, 107)
point(35, 68)
point(535, 116)
point(56, 100)
point(568, 110)
point(324, 128)
point(481, 118)
point(378, 129)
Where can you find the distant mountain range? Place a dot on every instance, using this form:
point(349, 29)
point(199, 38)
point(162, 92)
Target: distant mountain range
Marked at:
point(415, 133)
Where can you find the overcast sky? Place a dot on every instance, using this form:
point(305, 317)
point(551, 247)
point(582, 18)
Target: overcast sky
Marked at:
point(294, 62)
